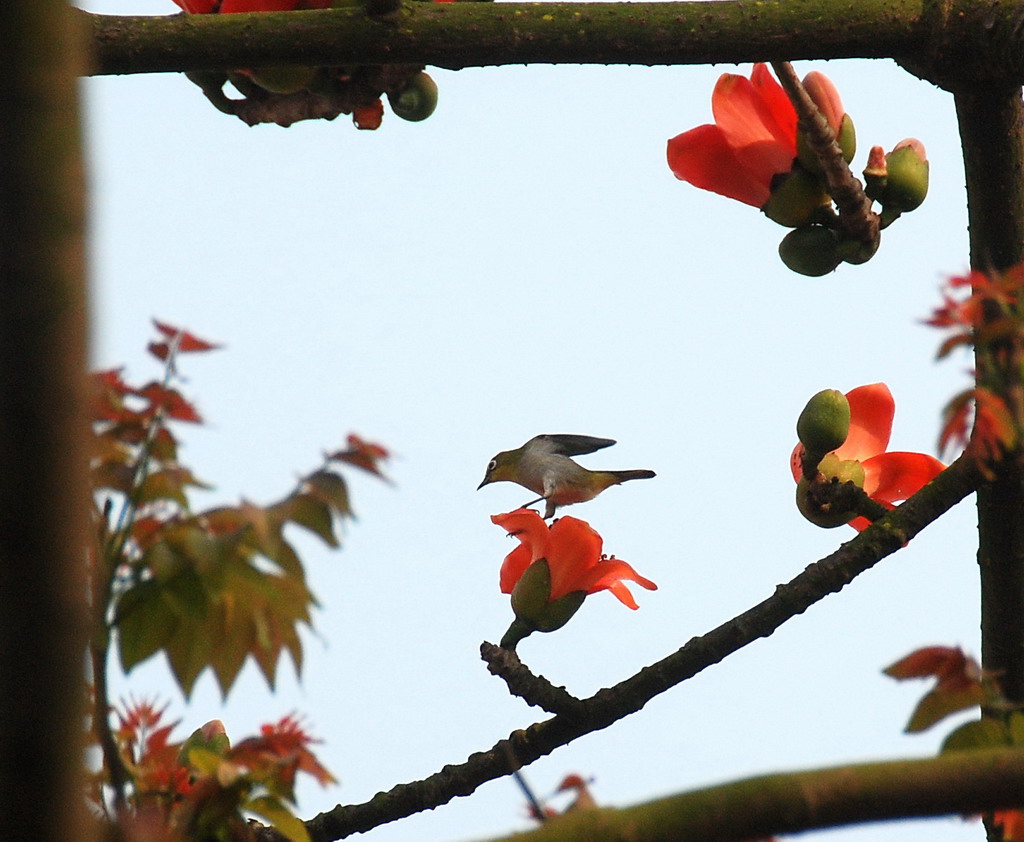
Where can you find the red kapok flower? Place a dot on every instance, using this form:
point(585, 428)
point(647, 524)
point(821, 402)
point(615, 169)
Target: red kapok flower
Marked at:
point(753, 138)
point(888, 477)
point(573, 553)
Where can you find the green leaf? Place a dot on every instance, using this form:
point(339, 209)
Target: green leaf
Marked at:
point(145, 621)
point(283, 820)
point(982, 733)
point(939, 704)
point(332, 489)
point(1015, 726)
point(309, 512)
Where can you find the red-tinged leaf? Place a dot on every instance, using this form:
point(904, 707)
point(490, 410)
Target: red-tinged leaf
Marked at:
point(168, 484)
point(929, 661)
point(108, 394)
point(187, 342)
point(940, 703)
point(994, 422)
point(160, 350)
point(981, 733)
point(164, 446)
point(951, 343)
point(308, 512)
point(145, 530)
point(956, 419)
point(364, 455)
point(267, 538)
point(131, 427)
point(112, 475)
point(330, 488)
point(170, 402)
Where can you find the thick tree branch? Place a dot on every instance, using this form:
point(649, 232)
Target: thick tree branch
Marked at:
point(943, 40)
point(959, 783)
point(43, 493)
point(991, 122)
point(457, 35)
point(607, 706)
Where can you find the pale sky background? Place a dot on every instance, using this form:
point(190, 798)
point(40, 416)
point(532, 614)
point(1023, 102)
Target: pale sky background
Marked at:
point(525, 262)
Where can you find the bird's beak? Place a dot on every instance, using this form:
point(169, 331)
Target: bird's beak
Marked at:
point(481, 485)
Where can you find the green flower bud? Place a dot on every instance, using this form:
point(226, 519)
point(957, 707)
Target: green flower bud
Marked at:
point(824, 423)
point(876, 174)
point(811, 250)
point(846, 137)
point(531, 600)
point(797, 198)
point(907, 184)
point(417, 100)
point(284, 79)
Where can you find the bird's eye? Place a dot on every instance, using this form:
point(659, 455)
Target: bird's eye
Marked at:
point(492, 465)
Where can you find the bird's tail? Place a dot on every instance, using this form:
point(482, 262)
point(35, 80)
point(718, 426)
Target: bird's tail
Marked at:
point(625, 476)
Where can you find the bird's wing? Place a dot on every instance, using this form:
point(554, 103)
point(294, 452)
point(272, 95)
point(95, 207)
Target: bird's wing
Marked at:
point(564, 444)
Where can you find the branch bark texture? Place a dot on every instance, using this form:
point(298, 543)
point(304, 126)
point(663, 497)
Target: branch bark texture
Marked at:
point(43, 496)
point(457, 35)
point(991, 120)
point(943, 40)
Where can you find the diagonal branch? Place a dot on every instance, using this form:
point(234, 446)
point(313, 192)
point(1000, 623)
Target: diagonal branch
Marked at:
point(607, 706)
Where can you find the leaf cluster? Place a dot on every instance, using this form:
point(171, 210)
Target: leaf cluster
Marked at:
point(208, 588)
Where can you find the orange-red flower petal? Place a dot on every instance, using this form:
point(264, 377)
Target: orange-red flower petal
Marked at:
point(872, 409)
point(753, 139)
point(572, 549)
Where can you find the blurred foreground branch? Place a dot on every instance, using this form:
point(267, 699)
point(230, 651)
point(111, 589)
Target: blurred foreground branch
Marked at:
point(959, 783)
point(43, 461)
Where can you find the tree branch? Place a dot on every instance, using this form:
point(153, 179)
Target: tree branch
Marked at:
point(607, 706)
point(991, 120)
point(457, 35)
point(43, 461)
point(958, 783)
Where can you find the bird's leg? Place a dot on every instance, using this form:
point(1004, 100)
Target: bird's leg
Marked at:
point(538, 500)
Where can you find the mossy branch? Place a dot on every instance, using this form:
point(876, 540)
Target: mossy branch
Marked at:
point(947, 42)
point(960, 783)
point(457, 35)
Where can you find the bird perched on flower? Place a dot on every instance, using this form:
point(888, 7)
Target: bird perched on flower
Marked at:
point(544, 465)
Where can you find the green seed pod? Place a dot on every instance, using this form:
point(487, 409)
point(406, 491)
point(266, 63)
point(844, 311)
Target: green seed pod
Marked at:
point(812, 250)
point(417, 100)
point(815, 514)
point(531, 600)
point(824, 423)
point(797, 199)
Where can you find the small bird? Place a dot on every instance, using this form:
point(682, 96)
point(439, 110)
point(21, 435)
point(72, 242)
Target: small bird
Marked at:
point(543, 466)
